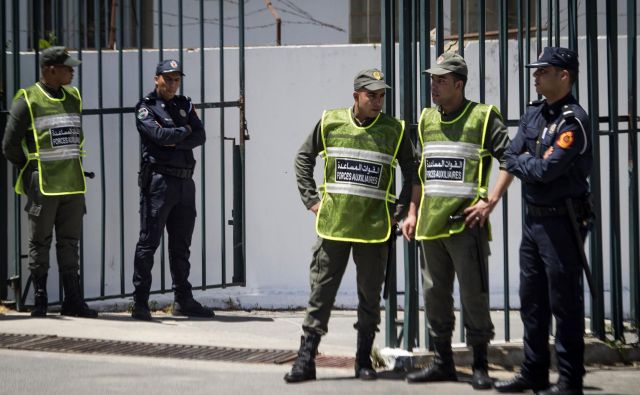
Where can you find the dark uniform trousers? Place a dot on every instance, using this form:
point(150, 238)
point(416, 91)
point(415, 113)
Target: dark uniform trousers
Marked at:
point(443, 258)
point(550, 274)
point(169, 201)
point(64, 213)
point(330, 259)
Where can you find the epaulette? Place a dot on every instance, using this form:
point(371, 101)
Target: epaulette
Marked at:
point(567, 112)
point(149, 100)
point(535, 102)
point(183, 98)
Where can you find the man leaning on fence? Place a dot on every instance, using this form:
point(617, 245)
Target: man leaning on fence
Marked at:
point(169, 131)
point(44, 139)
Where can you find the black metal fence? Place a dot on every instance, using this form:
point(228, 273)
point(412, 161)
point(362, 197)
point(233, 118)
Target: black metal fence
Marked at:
point(127, 34)
point(531, 25)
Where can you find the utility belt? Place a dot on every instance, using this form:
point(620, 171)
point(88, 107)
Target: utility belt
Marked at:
point(582, 207)
point(147, 170)
point(178, 172)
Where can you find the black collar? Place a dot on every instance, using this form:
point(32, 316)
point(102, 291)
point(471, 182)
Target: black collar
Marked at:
point(555, 109)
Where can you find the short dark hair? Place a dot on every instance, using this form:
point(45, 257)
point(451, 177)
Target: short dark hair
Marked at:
point(460, 77)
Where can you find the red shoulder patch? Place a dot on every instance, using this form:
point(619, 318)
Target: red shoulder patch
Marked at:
point(566, 139)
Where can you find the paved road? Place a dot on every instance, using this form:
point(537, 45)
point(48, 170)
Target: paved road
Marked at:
point(27, 372)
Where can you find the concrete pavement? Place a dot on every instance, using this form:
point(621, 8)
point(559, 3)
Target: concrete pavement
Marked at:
point(238, 329)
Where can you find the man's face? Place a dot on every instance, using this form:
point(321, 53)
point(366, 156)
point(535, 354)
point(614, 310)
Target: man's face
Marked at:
point(63, 74)
point(548, 80)
point(369, 103)
point(167, 84)
point(443, 88)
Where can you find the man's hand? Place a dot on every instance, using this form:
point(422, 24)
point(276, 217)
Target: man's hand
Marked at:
point(409, 227)
point(477, 214)
point(547, 153)
point(315, 208)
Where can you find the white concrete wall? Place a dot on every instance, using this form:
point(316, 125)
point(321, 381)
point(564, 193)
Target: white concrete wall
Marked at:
point(287, 89)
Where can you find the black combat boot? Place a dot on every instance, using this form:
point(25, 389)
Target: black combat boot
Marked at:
point(73, 304)
point(189, 307)
point(304, 368)
point(364, 367)
point(41, 301)
point(141, 309)
point(481, 379)
point(441, 369)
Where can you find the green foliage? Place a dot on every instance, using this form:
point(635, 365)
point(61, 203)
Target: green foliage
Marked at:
point(49, 41)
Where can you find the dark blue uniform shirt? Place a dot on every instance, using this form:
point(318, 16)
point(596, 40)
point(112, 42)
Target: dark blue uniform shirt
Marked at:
point(564, 126)
point(165, 138)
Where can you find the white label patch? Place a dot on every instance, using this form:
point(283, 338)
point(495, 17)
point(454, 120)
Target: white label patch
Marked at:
point(66, 135)
point(448, 169)
point(142, 113)
point(358, 172)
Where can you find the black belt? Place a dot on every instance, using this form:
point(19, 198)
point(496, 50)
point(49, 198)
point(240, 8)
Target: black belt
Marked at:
point(580, 207)
point(172, 171)
point(546, 211)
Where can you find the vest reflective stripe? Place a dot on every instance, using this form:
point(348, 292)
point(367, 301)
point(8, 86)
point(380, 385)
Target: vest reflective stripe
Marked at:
point(436, 147)
point(56, 125)
point(350, 189)
point(48, 121)
point(57, 154)
point(358, 174)
point(452, 173)
point(464, 190)
point(359, 154)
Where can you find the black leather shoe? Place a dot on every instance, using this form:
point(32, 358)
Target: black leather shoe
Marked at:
point(561, 389)
point(190, 308)
point(435, 372)
point(481, 379)
point(518, 383)
point(141, 312)
point(366, 373)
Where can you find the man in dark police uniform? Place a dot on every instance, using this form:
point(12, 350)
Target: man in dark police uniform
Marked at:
point(169, 131)
point(551, 154)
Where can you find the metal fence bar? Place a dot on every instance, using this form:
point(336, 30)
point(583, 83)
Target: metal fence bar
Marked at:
point(160, 32)
point(504, 100)
point(81, 34)
point(595, 240)
point(550, 23)
point(15, 8)
point(243, 136)
point(425, 101)
point(614, 208)
point(223, 238)
point(481, 49)
point(4, 190)
point(461, 32)
point(121, 141)
point(439, 27)
point(557, 20)
point(103, 213)
point(387, 29)
point(203, 193)
point(632, 90)
point(181, 39)
point(407, 112)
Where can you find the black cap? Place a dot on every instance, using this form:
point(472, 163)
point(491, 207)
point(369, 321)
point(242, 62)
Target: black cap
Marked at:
point(556, 56)
point(54, 56)
point(369, 79)
point(169, 66)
